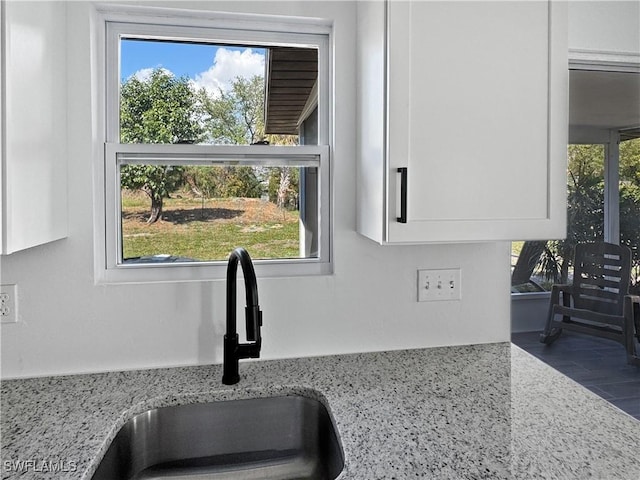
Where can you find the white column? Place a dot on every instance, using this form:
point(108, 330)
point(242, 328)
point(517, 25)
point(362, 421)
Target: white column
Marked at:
point(612, 188)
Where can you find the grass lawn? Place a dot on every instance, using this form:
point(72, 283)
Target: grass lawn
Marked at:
point(209, 230)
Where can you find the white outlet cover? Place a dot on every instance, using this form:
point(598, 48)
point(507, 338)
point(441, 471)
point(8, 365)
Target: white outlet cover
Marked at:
point(439, 285)
point(9, 303)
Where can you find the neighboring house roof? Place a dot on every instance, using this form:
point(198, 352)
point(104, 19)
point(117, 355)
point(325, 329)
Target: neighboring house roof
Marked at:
point(290, 76)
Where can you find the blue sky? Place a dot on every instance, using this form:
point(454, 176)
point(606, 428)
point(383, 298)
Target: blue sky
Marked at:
point(180, 58)
point(208, 66)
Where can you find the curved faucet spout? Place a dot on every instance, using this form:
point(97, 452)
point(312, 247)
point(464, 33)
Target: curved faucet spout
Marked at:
point(233, 350)
point(251, 290)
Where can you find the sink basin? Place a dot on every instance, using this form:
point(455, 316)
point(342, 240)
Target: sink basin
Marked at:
point(280, 438)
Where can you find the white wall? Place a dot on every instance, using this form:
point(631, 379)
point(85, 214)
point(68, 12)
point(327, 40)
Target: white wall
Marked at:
point(605, 26)
point(70, 325)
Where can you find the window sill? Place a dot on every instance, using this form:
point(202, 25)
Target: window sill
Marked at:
point(181, 272)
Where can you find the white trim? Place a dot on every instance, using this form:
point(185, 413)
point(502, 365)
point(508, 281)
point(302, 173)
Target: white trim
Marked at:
point(186, 154)
point(309, 107)
point(110, 22)
point(3, 163)
point(604, 61)
point(212, 19)
point(98, 89)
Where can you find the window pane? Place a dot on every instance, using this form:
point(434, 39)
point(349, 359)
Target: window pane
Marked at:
point(186, 213)
point(536, 265)
point(221, 94)
point(630, 205)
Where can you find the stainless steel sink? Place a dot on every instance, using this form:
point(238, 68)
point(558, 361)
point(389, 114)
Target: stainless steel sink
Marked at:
point(262, 438)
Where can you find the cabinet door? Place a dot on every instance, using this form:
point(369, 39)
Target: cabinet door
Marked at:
point(477, 113)
point(33, 181)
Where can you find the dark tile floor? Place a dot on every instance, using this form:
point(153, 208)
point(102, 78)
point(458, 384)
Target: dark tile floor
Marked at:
point(596, 363)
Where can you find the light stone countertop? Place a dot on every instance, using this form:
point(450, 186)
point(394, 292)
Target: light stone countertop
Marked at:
point(469, 412)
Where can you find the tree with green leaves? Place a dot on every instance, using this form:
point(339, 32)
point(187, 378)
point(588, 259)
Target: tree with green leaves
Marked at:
point(630, 205)
point(161, 109)
point(236, 117)
point(209, 181)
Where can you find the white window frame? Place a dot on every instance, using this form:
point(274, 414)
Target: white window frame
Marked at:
point(113, 23)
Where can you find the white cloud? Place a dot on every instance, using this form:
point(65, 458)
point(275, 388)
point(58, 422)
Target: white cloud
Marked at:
point(227, 65)
point(144, 74)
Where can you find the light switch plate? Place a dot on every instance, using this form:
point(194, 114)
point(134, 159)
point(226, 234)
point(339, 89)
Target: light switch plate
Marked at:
point(435, 285)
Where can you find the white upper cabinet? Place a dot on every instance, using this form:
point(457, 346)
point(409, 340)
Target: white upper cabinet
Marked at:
point(471, 99)
point(33, 177)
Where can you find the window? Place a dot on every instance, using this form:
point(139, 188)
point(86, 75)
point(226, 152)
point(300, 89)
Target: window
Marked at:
point(217, 136)
point(536, 265)
point(602, 182)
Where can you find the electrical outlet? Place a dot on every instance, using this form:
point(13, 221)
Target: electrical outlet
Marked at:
point(434, 285)
point(8, 303)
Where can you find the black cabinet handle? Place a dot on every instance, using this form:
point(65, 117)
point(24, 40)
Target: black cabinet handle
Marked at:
point(403, 195)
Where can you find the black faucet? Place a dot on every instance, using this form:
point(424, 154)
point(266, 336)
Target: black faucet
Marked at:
point(234, 351)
